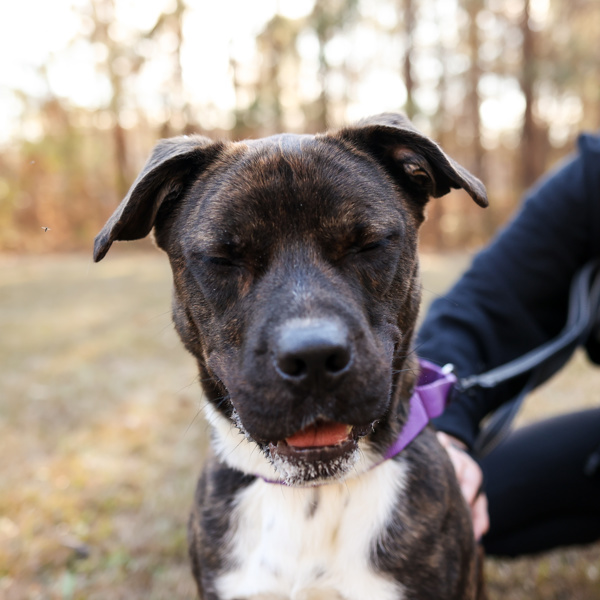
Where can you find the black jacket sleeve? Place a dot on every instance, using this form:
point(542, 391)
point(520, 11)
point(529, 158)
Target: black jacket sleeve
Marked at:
point(515, 295)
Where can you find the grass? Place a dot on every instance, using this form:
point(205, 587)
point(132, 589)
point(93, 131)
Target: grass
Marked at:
point(101, 441)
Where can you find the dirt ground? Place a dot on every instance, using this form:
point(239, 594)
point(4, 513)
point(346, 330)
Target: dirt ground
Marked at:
point(101, 438)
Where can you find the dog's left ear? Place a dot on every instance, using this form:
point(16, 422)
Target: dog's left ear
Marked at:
point(411, 157)
point(173, 163)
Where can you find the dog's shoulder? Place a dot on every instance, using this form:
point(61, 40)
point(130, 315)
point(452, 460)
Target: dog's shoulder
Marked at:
point(440, 527)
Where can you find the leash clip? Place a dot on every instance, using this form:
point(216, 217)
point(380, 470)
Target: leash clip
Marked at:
point(447, 369)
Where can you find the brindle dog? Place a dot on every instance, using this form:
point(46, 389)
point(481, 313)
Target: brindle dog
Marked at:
point(296, 288)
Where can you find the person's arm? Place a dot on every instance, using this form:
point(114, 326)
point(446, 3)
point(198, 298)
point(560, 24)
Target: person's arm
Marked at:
point(515, 295)
point(512, 299)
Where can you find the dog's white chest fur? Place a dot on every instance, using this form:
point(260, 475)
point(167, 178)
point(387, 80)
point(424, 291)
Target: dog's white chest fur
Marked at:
point(312, 543)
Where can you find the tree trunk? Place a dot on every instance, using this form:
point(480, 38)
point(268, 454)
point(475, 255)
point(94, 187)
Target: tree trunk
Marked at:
point(473, 102)
point(103, 11)
point(407, 14)
point(529, 160)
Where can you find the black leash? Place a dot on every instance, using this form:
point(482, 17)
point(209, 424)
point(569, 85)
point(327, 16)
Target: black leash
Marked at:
point(545, 360)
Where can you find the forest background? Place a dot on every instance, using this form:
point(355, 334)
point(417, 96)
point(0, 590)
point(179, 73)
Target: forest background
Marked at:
point(101, 437)
point(87, 87)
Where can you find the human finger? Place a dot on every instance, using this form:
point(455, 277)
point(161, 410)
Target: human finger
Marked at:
point(480, 516)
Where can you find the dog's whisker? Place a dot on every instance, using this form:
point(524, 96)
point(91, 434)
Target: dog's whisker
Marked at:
point(162, 330)
point(412, 351)
point(236, 446)
point(433, 293)
point(345, 483)
point(198, 412)
point(204, 401)
point(209, 379)
point(189, 385)
point(439, 296)
point(210, 417)
point(221, 399)
point(398, 371)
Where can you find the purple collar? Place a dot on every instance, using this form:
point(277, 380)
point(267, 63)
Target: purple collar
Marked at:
point(428, 401)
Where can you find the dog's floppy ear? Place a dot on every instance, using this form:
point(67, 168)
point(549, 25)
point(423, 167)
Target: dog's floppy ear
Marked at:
point(172, 163)
point(412, 157)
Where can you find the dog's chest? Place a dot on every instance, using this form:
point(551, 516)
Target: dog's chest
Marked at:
point(315, 543)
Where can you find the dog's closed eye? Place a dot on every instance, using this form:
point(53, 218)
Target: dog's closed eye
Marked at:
point(219, 261)
point(371, 246)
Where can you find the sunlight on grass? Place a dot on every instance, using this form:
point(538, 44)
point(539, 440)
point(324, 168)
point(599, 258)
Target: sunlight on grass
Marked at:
point(99, 415)
point(102, 444)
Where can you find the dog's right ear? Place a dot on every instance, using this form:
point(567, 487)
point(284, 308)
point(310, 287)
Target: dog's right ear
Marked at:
point(169, 169)
point(409, 155)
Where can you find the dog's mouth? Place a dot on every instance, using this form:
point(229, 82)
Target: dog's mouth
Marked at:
point(321, 442)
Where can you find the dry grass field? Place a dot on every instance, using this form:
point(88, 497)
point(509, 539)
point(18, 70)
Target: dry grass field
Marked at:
point(101, 438)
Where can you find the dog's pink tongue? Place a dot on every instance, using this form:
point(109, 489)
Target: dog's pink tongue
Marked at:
point(322, 434)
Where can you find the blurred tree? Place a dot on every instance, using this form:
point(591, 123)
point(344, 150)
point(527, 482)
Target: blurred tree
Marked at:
point(406, 29)
point(59, 181)
point(328, 19)
point(571, 68)
point(487, 221)
point(176, 99)
point(276, 46)
point(119, 64)
point(473, 103)
point(442, 119)
point(532, 164)
point(507, 84)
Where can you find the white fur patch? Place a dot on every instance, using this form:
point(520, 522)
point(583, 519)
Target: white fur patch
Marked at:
point(312, 543)
point(238, 452)
point(234, 449)
point(300, 543)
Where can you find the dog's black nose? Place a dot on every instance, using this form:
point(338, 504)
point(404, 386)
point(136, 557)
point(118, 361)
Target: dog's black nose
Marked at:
point(313, 351)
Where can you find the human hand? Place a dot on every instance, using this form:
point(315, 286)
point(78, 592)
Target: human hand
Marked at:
point(470, 478)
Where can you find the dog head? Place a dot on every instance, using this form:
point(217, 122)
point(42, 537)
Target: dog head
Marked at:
point(296, 280)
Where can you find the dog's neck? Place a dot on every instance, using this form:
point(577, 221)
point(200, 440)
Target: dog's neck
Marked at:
point(427, 401)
